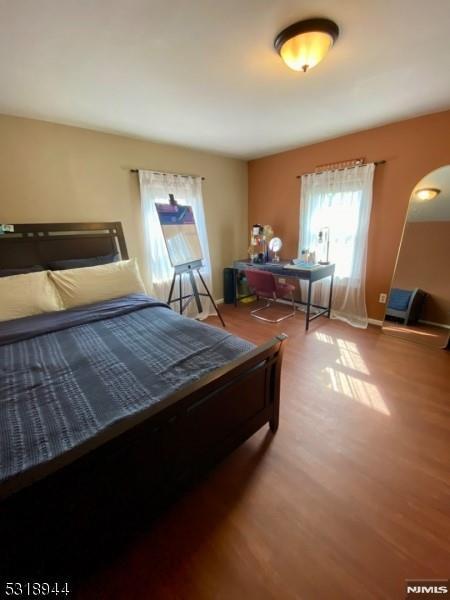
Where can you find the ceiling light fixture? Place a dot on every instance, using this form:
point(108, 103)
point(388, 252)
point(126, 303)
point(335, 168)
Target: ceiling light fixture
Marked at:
point(427, 193)
point(304, 44)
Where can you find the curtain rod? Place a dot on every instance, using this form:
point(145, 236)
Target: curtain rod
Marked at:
point(375, 162)
point(162, 173)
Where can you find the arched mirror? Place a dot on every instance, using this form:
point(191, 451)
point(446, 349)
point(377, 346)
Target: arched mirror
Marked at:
point(418, 305)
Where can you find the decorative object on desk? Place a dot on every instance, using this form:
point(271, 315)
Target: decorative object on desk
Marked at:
point(255, 233)
point(307, 257)
point(267, 232)
point(323, 238)
point(275, 246)
point(258, 243)
point(267, 235)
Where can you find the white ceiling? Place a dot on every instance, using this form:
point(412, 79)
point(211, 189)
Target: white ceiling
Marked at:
point(204, 73)
point(437, 209)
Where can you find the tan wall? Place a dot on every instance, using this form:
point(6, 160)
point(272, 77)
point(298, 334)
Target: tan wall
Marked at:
point(411, 148)
point(53, 173)
point(423, 262)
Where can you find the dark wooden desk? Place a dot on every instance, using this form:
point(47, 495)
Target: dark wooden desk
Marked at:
point(309, 275)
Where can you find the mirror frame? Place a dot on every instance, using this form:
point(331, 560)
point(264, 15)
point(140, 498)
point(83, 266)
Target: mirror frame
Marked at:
point(447, 345)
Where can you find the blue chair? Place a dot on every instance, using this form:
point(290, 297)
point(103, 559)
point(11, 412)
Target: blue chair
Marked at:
point(406, 304)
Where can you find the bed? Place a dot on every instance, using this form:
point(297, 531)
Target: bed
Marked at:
point(109, 409)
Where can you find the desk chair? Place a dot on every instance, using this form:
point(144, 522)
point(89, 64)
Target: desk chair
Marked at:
point(264, 285)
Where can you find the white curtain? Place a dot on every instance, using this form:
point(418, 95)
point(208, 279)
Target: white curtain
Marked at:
point(158, 271)
point(340, 200)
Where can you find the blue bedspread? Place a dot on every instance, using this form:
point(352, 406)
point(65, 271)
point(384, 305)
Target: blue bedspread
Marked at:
point(66, 376)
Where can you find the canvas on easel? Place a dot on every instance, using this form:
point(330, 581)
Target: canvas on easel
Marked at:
point(185, 253)
point(180, 233)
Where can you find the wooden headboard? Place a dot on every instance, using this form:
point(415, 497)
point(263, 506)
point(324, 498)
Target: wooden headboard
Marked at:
point(38, 243)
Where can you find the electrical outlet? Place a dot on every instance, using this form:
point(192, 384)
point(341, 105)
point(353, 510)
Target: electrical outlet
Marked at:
point(382, 298)
point(281, 280)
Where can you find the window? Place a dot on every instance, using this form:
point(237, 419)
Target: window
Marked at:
point(158, 271)
point(340, 213)
point(340, 200)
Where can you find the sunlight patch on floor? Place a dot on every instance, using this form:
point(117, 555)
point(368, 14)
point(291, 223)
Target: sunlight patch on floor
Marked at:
point(352, 360)
point(410, 330)
point(323, 337)
point(354, 385)
point(364, 392)
point(346, 345)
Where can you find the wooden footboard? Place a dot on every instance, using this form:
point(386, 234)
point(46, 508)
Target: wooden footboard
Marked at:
point(57, 515)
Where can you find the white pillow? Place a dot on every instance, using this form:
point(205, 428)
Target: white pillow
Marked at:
point(26, 295)
point(94, 284)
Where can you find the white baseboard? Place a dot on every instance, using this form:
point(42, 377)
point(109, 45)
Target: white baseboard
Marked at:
point(435, 324)
point(219, 301)
point(375, 322)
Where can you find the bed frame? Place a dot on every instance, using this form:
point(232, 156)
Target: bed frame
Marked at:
point(58, 517)
point(39, 243)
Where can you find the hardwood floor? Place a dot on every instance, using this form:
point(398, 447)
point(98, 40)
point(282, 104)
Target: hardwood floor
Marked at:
point(421, 333)
point(346, 501)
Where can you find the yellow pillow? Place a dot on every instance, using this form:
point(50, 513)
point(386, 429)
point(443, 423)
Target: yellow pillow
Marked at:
point(94, 284)
point(27, 295)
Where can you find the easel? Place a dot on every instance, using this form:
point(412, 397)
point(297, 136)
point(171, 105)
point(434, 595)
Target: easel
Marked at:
point(191, 269)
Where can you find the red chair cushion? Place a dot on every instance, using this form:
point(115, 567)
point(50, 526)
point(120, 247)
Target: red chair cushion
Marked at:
point(261, 282)
point(285, 289)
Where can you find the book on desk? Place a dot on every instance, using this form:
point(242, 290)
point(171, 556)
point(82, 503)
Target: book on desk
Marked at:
point(302, 265)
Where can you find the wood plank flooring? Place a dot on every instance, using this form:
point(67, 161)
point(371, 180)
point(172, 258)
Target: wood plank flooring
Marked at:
point(421, 333)
point(346, 501)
